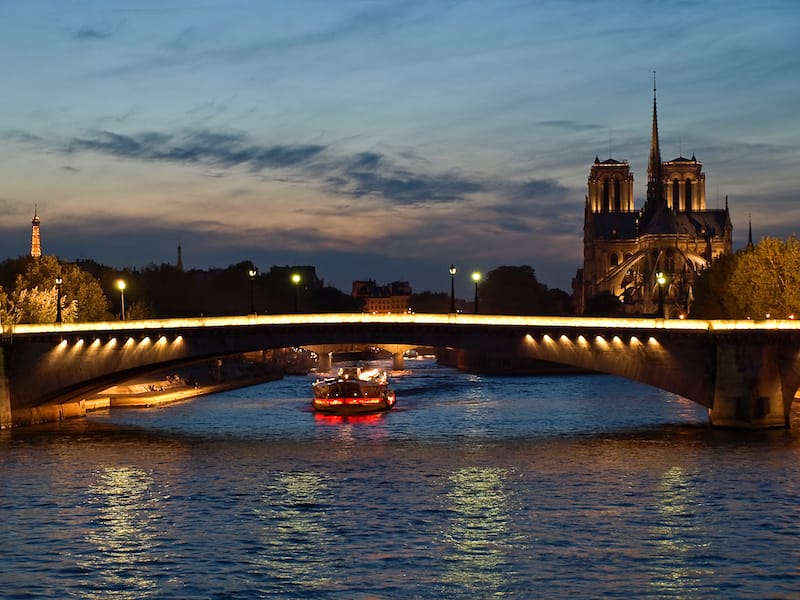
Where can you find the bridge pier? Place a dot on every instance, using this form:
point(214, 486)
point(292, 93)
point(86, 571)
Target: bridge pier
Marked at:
point(398, 361)
point(748, 391)
point(324, 361)
point(5, 393)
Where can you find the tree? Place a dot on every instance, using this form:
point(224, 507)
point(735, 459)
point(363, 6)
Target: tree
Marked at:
point(752, 284)
point(33, 299)
point(34, 305)
point(766, 280)
point(512, 290)
point(430, 302)
point(710, 290)
point(604, 304)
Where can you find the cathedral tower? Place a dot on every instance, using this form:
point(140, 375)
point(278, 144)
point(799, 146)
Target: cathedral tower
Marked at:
point(610, 187)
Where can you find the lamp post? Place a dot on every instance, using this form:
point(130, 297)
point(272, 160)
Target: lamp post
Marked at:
point(452, 288)
point(252, 273)
point(296, 282)
point(661, 280)
point(476, 277)
point(121, 288)
point(59, 281)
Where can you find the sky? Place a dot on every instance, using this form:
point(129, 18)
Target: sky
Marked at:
point(380, 139)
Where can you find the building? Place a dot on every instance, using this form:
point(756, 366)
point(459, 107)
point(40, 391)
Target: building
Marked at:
point(393, 298)
point(649, 258)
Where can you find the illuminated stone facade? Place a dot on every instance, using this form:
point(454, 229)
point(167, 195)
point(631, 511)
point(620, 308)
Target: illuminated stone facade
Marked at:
point(674, 234)
point(393, 298)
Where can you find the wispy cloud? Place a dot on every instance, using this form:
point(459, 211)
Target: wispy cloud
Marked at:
point(372, 174)
point(91, 33)
point(355, 175)
point(203, 147)
point(571, 125)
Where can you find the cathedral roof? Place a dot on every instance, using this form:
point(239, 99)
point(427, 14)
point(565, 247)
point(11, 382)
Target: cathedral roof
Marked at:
point(626, 226)
point(700, 224)
point(705, 223)
point(663, 220)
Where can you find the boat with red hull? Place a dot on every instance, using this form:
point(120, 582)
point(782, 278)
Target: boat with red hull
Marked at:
point(353, 391)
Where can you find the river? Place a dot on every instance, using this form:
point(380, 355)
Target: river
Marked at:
point(472, 487)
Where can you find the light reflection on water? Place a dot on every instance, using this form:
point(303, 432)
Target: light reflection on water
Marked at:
point(473, 487)
point(478, 536)
point(122, 532)
point(677, 536)
point(293, 523)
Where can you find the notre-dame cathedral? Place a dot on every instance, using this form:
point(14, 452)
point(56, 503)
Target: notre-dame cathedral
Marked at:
point(649, 258)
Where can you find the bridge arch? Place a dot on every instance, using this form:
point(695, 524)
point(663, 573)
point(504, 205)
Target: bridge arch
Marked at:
point(742, 371)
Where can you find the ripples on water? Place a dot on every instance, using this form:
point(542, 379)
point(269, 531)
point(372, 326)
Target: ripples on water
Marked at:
point(473, 487)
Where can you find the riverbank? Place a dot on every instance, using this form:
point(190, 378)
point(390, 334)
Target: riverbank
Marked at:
point(164, 387)
point(146, 394)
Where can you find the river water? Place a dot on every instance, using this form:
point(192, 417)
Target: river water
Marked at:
point(473, 487)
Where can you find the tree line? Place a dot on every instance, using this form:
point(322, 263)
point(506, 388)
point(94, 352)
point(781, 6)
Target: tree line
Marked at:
point(88, 291)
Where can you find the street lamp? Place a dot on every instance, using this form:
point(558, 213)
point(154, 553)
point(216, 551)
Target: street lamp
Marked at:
point(296, 282)
point(452, 288)
point(661, 280)
point(59, 281)
point(476, 277)
point(121, 288)
point(252, 273)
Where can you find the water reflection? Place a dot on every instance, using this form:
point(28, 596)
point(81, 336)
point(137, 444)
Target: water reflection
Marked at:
point(677, 536)
point(349, 431)
point(579, 487)
point(294, 529)
point(479, 530)
point(123, 533)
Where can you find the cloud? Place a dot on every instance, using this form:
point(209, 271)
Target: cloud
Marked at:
point(202, 147)
point(21, 137)
point(370, 174)
point(187, 48)
point(537, 188)
point(357, 175)
point(90, 33)
point(571, 125)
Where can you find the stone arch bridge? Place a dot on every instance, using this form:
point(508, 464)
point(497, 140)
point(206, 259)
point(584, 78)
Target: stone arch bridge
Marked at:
point(745, 372)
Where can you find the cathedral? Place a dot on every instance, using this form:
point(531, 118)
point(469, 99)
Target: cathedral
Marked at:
point(648, 259)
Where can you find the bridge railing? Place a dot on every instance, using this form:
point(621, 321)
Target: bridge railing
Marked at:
point(695, 325)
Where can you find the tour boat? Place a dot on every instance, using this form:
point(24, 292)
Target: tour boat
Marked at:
point(353, 391)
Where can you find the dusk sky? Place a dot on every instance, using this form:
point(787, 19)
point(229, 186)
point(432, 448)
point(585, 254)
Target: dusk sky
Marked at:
point(380, 139)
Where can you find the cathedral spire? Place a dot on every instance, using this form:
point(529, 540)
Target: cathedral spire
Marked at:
point(36, 241)
point(655, 183)
point(750, 245)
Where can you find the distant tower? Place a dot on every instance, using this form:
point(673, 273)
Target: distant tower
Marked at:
point(36, 240)
point(179, 264)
